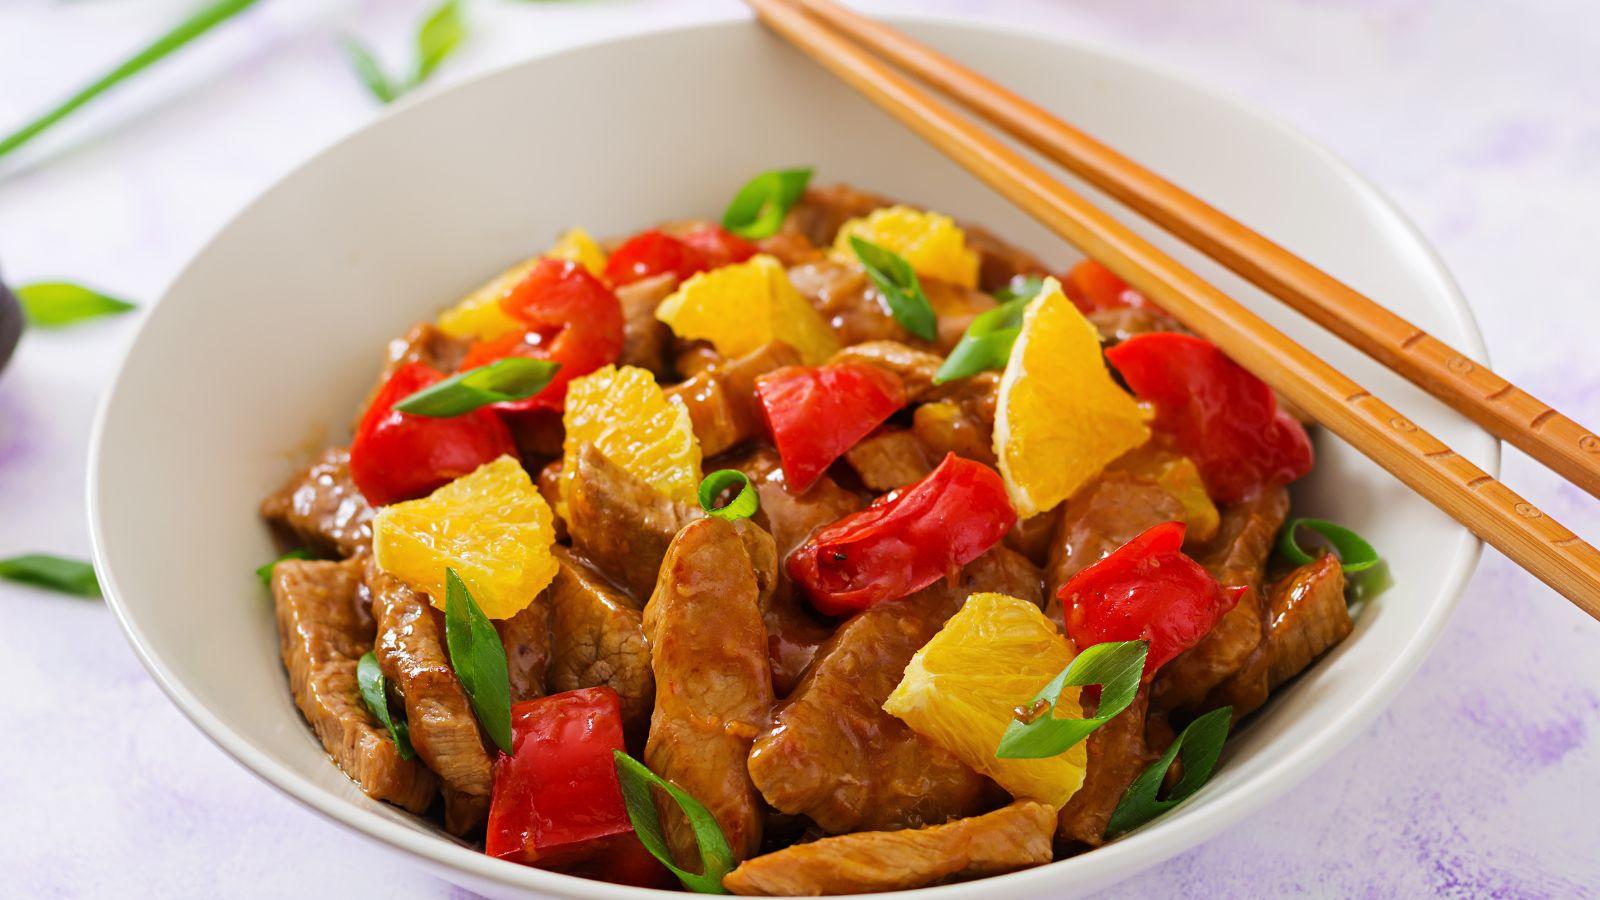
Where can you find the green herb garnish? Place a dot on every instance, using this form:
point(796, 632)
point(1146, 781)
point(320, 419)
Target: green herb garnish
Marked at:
point(744, 503)
point(203, 20)
point(1366, 573)
point(987, 343)
point(53, 573)
point(1201, 744)
point(900, 286)
point(55, 304)
point(479, 659)
point(375, 691)
point(1116, 666)
point(504, 380)
point(1020, 287)
point(758, 209)
point(437, 37)
point(265, 572)
point(716, 857)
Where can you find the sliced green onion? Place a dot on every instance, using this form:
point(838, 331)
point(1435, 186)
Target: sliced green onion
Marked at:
point(987, 343)
point(479, 659)
point(716, 857)
point(265, 572)
point(1201, 744)
point(502, 381)
point(375, 691)
point(1020, 287)
point(202, 21)
point(370, 71)
point(1116, 666)
point(758, 209)
point(55, 304)
point(53, 573)
point(1366, 573)
point(744, 503)
point(439, 35)
point(900, 286)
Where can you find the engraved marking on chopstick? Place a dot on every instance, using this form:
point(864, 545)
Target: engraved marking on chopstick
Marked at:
point(1528, 510)
point(1411, 341)
point(1589, 444)
point(1358, 395)
point(1440, 454)
point(1501, 392)
point(1475, 483)
point(1460, 365)
point(1541, 418)
point(1400, 423)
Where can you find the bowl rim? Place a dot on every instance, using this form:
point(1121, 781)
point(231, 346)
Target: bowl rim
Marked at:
point(1138, 850)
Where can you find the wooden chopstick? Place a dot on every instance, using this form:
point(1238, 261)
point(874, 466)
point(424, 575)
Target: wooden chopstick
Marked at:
point(1475, 391)
point(1491, 510)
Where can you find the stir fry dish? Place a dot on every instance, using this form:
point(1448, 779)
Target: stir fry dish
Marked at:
point(836, 547)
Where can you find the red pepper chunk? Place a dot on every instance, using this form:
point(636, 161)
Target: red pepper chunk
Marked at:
point(718, 246)
point(650, 253)
point(557, 800)
point(1147, 589)
point(816, 413)
point(396, 456)
point(906, 540)
point(1091, 286)
point(1223, 418)
point(572, 319)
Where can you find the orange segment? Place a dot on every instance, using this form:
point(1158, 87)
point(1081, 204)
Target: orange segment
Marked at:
point(1059, 417)
point(745, 306)
point(961, 688)
point(930, 242)
point(491, 526)
point(479, 316)
point(633, 423)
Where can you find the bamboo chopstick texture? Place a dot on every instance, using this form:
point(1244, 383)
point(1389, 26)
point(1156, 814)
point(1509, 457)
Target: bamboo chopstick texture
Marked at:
point(1490, 509)
point(1474, 390)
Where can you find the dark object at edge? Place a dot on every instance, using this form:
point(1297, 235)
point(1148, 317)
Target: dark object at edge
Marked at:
point(10, 323)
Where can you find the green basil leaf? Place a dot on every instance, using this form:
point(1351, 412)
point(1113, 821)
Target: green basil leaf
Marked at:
point(757, 211)
point(900, 286)
point(716, 857)
point(265, 572)
point(438, 37)
point(1201, 744)
point(504, 380)
point(1366, 573)
point(1116, 666)
point(369, 70)
point(54, 304)
point(1020, 287)
point(54, 573)
point(202, 21)
point(743, 505)
point(987, 343)
point(479, 659)
point(375, 691)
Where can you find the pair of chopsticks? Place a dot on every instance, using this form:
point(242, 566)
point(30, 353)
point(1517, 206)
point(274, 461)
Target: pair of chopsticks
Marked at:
point(850, 45)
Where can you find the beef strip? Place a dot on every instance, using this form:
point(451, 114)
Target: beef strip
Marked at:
point(619, 523)
point(444, 731)
point(322, 507)
point(1010, 838)
point(645, 339)
point(1112, 509)
point(833, 754)
point(857, 311)
point(793, 632)
point(597, 638)
point(526, 637)
point(1117, 754)
point(722, 399)
point(424, 343)
point(889, 458)
point(790, 248)
point(1119, 323)
point(1237, 555)
point(959, 418)
point(322, 634)
point(915, 368)
point(708, 650)
point(1306, 615)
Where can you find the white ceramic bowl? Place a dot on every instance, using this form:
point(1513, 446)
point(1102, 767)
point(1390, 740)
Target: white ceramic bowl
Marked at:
point(260, 350)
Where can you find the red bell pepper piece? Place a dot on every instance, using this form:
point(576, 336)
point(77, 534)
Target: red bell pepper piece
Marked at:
point(396, 456)
point(651, 253)
point(718, 246)
point(1223, 418)
point(817, 413)
point(1147, 589)
point(1091, 286)
point(906, 540)
point(572, 319)
point(557, 800)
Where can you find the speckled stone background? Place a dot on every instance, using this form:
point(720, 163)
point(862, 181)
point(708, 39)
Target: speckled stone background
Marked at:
point(1480, 117)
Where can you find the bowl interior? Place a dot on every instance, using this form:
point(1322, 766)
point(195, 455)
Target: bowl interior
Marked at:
point(258, 353)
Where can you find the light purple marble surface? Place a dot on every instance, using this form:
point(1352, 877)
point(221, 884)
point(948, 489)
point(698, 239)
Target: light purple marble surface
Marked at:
point(1482, 119)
